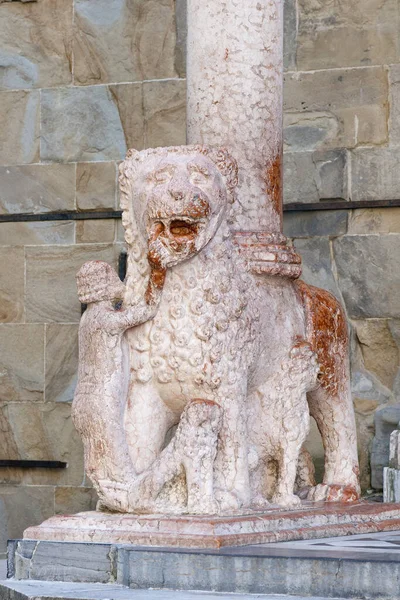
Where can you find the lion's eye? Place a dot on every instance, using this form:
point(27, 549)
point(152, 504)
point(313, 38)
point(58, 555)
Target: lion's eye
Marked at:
point(161, 177)
point(198, 177)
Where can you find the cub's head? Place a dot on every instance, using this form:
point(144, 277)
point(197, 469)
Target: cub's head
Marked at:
point(177, 197)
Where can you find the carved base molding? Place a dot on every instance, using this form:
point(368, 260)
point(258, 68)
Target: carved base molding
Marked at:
point(268, 253)
point(313, 520)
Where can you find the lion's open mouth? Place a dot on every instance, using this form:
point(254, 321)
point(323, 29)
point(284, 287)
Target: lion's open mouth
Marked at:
point(183, 229)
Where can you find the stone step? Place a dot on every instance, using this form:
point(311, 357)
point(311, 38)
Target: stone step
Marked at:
point(50, 590)
point(359, 566)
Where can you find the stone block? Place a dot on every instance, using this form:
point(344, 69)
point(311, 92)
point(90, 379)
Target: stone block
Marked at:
point(315, 176)
point(98, 231)
point(254, 574)
point(311, 223)
point(336, 34)
point(37, 188)
point(368, 274)
point(120, 234)
point(40, 431)
point(96, 185)
point(123, 41)
point(19, 127)
point(315, 447)
point(375, 173)
point(81, 124)
point(20, 507)
point(36, 42)
point(50, 279)
point(317, 263)
point(61, 362)
point(12, 284)
point(394, 451)
point(181, 35)
point(374, 220)
point(38, 233)
point(325, 109)
point(367, 390)
point(364, 414)
point(22, 362)
point(64, 562)
point(387, 419)
point(129, 101)
point(379, 349)
point(394, 119)
point(289, 34)
point(71, 500)
point(391, 485)
point(165, 113)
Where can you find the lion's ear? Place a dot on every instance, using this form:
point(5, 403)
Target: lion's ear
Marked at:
point(132, 153)
point(228, 166)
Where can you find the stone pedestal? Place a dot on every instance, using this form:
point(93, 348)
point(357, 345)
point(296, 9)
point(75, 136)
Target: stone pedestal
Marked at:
point(313, 520)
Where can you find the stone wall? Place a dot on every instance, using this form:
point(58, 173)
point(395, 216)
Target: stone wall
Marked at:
point(81, 81)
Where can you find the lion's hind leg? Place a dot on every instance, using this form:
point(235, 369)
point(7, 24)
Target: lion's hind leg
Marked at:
point(331, 403)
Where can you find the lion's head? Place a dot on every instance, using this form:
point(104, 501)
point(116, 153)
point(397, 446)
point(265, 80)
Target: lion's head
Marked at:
point(176, 197)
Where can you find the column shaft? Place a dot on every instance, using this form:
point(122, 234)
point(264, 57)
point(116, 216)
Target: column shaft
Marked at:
point(235, 58)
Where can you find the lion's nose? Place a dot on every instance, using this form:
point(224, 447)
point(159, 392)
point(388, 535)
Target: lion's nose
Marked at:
point(177, 195)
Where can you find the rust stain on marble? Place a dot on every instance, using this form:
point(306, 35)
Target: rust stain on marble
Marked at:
point(327, 333)
point(273, 182)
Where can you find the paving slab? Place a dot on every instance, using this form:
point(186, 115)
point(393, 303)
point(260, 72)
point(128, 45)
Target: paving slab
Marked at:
point(45, 590)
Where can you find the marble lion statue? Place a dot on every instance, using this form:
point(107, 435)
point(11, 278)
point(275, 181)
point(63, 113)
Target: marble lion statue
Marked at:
point(268, 350)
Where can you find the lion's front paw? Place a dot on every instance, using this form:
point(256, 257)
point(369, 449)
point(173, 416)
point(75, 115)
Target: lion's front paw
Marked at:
point(227, 501)
point(112, 496)
point(259, 502)
point(333, 493)
point(206, 507)
point(287, 500)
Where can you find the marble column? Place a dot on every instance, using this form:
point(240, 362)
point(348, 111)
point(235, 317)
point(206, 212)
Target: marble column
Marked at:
point(235, 75)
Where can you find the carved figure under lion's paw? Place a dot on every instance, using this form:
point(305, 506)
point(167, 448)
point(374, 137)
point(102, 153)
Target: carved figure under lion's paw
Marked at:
point(97, 408)
point(221, 332)
point(333, 493)
point(279, 422)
